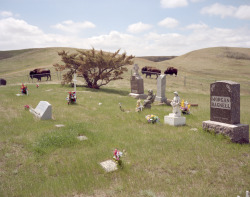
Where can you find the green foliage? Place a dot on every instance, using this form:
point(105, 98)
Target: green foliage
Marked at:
point(96, 67)
point(56, 139)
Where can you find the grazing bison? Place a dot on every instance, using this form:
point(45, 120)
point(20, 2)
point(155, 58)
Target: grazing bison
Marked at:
point(39, 73)
point(150, 71)
point(3, 82)
point(171, 71)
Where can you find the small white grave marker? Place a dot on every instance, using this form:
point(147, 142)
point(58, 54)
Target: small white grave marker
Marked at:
point(43, 110)
point(109, 166)
point(60, 125)
point(82, 137)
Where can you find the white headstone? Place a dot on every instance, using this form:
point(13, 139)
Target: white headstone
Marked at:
point(175, 118)
point(161, 88)
point(43, 110)
point(136, 69)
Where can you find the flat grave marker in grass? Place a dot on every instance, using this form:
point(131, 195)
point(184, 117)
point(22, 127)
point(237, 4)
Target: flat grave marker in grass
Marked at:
point(60, 125)
point(225, 112)
point(109, 166)
point(82, 137)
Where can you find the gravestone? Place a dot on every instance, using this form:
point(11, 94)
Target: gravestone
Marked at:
point(161, 88)
point(137, 86)
point(225, 112)
point(42, 111)
point(109, 166)
point(175, 118)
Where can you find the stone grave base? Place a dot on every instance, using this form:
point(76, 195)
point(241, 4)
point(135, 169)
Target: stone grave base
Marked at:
point(138, 96)
point(161, 99)
point(171, 119)
point(238, 133)
point(109, 165)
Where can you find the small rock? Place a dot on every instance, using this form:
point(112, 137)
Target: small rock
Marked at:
point(194, 129)
point(82, 137)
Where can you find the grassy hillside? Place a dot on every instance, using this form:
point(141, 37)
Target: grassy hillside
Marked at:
point(196, 69)
point(38, 159)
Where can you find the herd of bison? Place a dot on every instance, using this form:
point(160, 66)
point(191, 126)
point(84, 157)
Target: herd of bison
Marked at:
point(41, 72)
point(155, 71)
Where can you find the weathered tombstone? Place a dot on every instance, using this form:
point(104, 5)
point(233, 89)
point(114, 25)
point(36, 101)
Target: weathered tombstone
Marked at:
point(175, 118)
point(225, 112)
point(42, 111)
point(137, 86)
point(3, 82)
point(109, 165)
point(161, 88)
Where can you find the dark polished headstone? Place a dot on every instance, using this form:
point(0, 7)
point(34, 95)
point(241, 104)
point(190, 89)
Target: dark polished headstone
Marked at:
point(225, 102)
point(225, 112)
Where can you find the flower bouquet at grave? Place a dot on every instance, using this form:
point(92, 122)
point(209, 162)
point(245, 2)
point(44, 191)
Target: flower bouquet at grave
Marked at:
point(117, 156)
point(152, 118)
point(26, 107)
point(24, 89)
point(71, 98)
point(185, 107)
point(139, 106)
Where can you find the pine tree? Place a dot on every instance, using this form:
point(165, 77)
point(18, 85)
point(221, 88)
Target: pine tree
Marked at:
point(97, 68)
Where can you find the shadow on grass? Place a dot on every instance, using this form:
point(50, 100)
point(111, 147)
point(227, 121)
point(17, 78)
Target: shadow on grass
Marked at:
point(110, 91)
point(104, 90)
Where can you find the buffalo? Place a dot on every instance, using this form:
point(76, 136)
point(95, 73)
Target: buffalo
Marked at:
point(3, 82)
point(39, 73)
point(171, 71)
point(150, 71)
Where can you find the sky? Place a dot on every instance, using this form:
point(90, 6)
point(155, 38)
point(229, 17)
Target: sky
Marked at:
point(137, 27)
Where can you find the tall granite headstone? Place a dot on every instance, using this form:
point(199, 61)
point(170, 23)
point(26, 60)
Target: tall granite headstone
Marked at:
point(161, 88)
point(225, 111)
point(137, 86)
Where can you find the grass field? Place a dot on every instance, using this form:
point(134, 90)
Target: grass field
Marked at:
point(39, 159)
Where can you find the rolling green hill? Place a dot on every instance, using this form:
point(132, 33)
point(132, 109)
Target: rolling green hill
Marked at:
point(195, 69)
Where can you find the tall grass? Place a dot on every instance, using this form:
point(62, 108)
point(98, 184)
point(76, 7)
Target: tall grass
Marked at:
point(39, 159)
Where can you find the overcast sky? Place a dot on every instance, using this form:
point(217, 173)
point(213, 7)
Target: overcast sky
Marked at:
point(139, 27)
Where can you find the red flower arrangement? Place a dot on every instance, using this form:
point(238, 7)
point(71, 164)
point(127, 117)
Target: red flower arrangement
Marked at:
point(117, 156)
point(26, 107)
point(24, 89)
point(71, 98)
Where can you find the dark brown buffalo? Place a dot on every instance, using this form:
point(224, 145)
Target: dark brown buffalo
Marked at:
point(150, 71)
point(3, 82)
point(171, 71)
point(39, 73)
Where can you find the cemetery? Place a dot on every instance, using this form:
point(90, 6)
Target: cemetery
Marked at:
point(77, 141)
